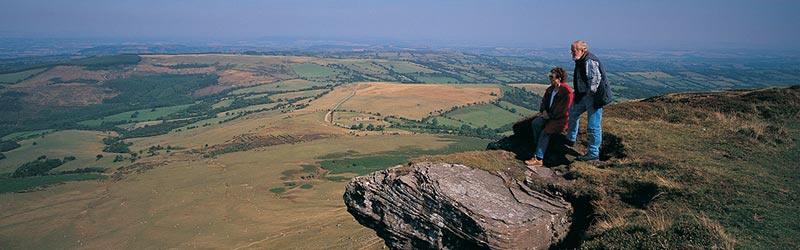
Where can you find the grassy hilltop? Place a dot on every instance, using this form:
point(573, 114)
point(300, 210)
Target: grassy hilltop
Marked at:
point(685, 170)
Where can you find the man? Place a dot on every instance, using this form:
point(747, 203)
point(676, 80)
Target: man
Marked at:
point(591, 93)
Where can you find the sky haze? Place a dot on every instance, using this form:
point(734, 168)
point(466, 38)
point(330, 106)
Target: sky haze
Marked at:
point(613, 24)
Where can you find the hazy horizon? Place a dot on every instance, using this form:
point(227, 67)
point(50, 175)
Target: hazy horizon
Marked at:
point(618, 25)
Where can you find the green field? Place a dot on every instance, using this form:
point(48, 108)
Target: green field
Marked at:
point(363, 165)
point(368, 163)
point(141, 115)
point(299, 94)
point(520, 110)
point(84, 145)
point(484, 114)
point(288, 85)
point(260, 96)
point(18, 136)
point(251, 108)
point(20, 76)
point(106, 61)
point(8, 185)
point(443, 120)
point(405, 67)
point(222, 104)
point(368, 68)
point(313, 70)
point(435, 79)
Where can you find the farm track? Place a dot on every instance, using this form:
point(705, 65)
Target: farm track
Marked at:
point(329, 115)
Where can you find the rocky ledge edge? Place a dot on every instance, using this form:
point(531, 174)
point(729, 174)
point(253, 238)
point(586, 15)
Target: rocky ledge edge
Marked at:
point(451, 206)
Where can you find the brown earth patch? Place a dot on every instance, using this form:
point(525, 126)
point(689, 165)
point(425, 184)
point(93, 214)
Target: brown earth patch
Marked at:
point(66, 94)
point(246, 142)
point(244, 78)
point(137, 168)
point(66, 73)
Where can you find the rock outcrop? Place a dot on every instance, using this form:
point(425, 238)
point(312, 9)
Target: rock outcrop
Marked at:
point(451, 206)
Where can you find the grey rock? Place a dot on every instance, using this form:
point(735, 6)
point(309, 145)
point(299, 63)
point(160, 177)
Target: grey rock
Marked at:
point(451, 206)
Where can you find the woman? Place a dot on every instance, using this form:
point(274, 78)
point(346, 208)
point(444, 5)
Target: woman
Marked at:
point(553, 114)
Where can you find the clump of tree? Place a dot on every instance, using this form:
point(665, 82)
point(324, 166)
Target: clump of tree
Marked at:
point(369, 127)
point(116, 145)
point(8, 145)
point(40, 166)
point(157, 129)
point(521, 97)
point(84, 170)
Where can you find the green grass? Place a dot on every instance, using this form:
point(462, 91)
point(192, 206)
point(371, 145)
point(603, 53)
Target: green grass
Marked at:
point(21, 184)
point(435, 79)
point(405, 67)
point(364, 164)
point(222, 104)
point(307, 186)
point(251, 108)
point(20, 76)
point(288, 85)
point(367, 68)
point(337, 178)
point(143, 115)
point(279, 190)
point(106, 61)
point(260, 96)
point(18, 136)
point(313, 70)
point(485, 114)
point(298, 94)
point(520, 110)
point(442, 120)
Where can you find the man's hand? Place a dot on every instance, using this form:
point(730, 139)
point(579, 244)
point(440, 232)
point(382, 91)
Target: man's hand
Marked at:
point(545, 115)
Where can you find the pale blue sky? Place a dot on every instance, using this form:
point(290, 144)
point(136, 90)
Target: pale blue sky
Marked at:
point(770, 24)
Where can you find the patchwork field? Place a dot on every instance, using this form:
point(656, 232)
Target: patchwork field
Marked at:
point(84, 145)
point(288, 85)
point(234, 167)
point(137, 115)
point(485, 114)
point(12, 78)
point(414, 101)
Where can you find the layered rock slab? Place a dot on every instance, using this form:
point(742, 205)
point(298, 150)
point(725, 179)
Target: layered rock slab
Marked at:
point(451, 206)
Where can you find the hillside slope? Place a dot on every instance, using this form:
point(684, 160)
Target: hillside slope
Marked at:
point(683, 170)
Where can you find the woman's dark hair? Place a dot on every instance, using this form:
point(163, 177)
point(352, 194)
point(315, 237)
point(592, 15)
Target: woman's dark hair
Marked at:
point(559, 73)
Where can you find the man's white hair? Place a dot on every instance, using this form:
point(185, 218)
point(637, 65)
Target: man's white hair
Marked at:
point(581, 45)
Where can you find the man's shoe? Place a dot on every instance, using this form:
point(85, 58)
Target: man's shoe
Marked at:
point(534, 162)
point(588, 158)
point(570, 143)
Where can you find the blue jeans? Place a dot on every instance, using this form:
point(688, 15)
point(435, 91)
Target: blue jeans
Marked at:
point(541, 138)
point(595, 130)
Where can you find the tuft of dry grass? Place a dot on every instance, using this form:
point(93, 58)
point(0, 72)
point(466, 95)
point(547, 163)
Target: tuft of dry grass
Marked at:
point(611, 219)
point(728, 241)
